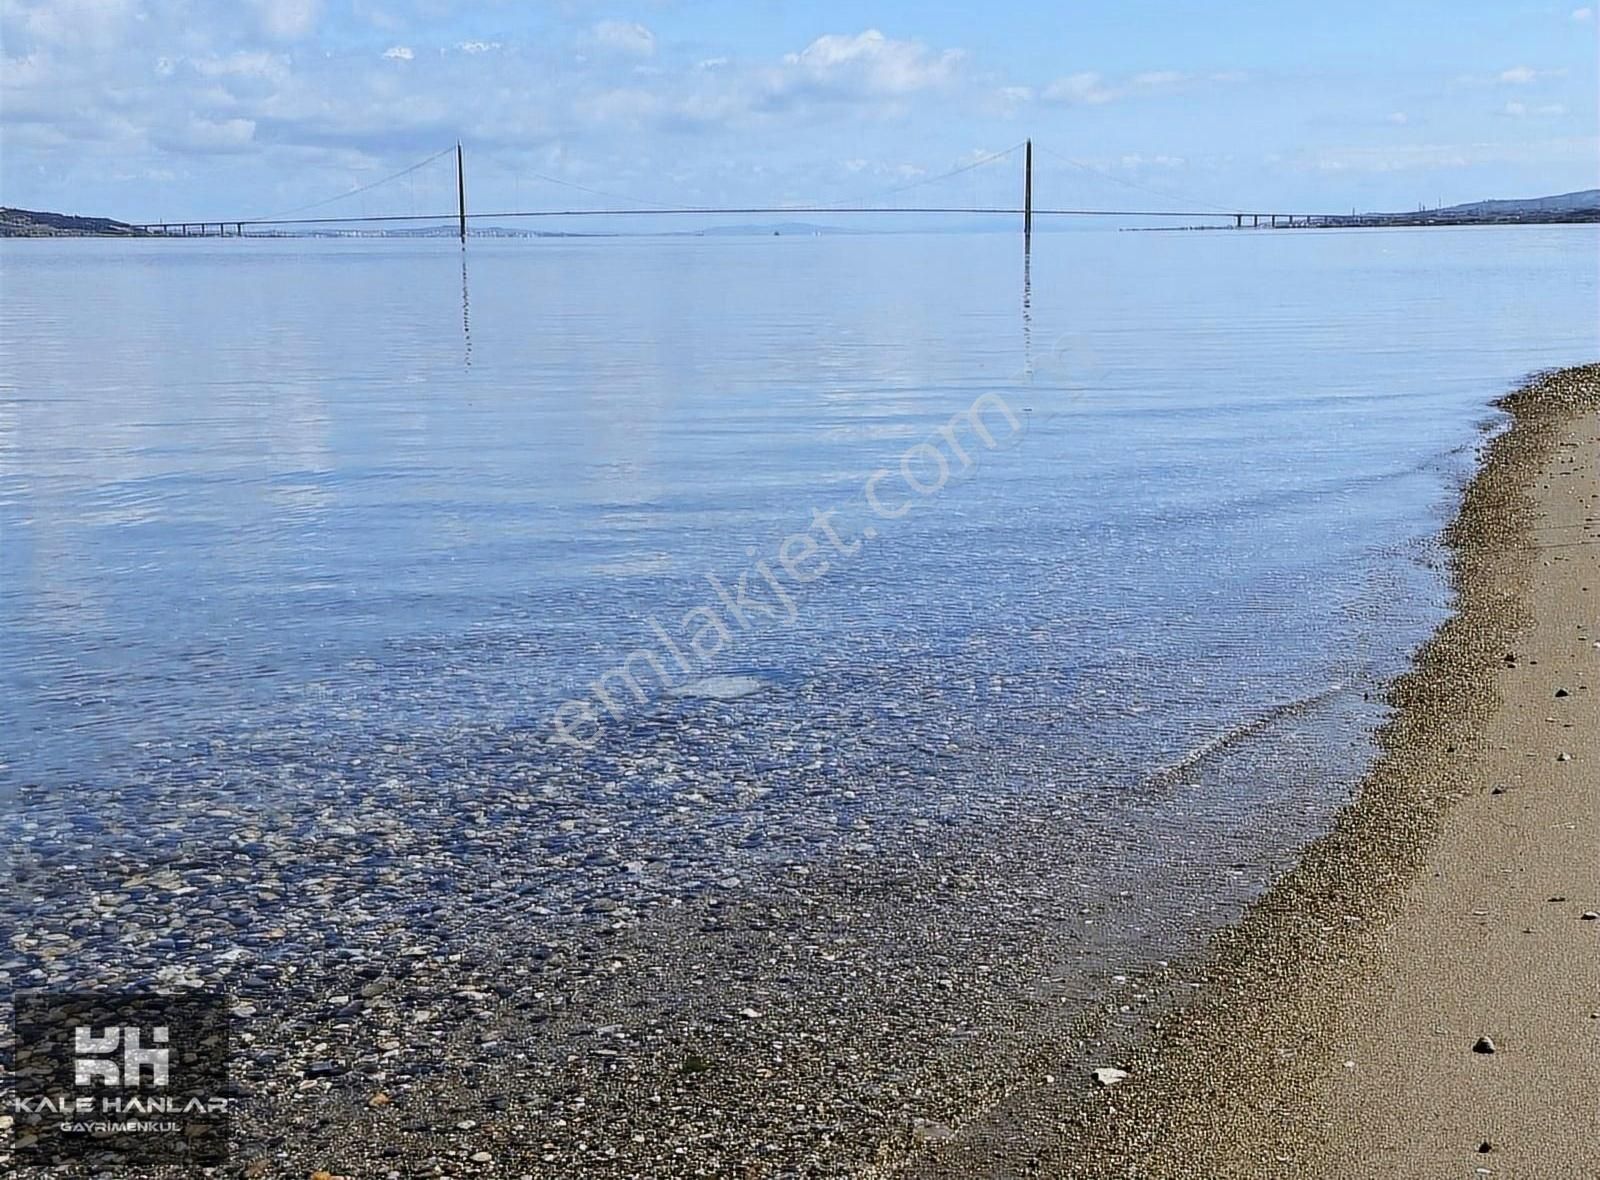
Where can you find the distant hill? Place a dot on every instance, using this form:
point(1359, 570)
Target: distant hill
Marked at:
point(1588, 199)
point(31, 223)
point(1568, 207)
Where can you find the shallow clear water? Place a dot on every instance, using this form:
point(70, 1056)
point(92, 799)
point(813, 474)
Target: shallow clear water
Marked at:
point(285, 519)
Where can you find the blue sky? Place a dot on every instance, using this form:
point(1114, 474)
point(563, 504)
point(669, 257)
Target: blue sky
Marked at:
point(151, 109)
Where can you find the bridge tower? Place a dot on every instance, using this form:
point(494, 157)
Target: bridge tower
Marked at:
point(1027, 193)
point(461, 194)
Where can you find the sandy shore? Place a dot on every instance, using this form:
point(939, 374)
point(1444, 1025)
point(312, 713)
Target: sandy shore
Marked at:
point(1338, 1031)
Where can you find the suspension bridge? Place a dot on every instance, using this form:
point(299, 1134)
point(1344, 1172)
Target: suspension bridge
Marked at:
point(306, 218)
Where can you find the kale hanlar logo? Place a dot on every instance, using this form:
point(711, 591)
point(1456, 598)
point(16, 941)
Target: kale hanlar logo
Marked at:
point(94, 1063)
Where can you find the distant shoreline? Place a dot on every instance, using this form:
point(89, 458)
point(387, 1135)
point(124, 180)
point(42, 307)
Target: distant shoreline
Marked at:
point(1394, 221)
point(27, 223)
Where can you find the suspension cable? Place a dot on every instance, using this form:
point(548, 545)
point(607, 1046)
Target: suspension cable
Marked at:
point(956, 171)
point(1144, 188)
point(363, 188)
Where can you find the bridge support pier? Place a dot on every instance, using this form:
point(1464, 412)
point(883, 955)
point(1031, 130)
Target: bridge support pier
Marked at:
point(1238, 221)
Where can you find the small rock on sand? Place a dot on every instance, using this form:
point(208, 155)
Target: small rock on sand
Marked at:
point(1109, 1076)
point(1483, 1045)
point(929, 1131)
point(719, 688)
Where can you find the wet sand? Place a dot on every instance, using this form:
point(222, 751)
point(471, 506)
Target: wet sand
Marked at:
point(1338, 1028)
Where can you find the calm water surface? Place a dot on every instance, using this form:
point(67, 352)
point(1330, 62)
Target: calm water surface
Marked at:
point(285, 519)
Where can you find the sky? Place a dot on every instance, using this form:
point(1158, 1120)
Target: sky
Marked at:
point(173, 109)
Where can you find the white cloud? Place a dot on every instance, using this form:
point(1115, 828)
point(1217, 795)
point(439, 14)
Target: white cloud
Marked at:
point(71, 25)
point(1583, 15)
point(625, 37)
point(287, 20)
point(874, 63)
point(242, 64)
point(1090, 88)
point(1078, 88)
point(1137, 161)
point(399, 53)
point(1412, 157)
point(210, 136)
point(1399, 118)
point(621, 105)
point(478, 46)
point(1006, 101)
point(1156, 79)
point(1391, 160)
point(1518, 110)
point(1519, 75)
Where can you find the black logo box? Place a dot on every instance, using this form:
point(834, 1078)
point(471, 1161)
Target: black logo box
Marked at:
point(137, 1122)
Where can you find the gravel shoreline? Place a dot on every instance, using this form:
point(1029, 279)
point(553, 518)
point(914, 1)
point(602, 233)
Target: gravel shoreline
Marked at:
point(819, 1019)
point(1222, 1086)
